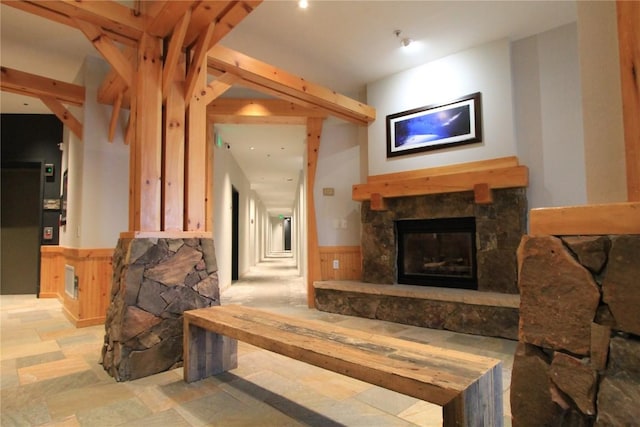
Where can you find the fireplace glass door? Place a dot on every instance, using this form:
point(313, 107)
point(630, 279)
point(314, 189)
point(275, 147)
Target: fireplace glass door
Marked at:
point(437, 252)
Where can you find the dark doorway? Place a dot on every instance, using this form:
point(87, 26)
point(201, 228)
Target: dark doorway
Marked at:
point(287, 233)
point(20, 230)
point(235, 222)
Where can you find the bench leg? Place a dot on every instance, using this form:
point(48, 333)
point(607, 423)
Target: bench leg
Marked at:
point(480, 405)
point(206, 353)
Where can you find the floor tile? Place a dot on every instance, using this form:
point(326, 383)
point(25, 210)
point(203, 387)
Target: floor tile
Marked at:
point(50, 373)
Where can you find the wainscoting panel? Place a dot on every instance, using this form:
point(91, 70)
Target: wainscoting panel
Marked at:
point(93, 270)
point(349, 262)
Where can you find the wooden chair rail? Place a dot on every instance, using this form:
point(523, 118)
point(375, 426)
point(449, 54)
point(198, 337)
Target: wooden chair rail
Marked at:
point(468, 387)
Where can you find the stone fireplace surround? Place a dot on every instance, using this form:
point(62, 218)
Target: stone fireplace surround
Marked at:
point(490, 311)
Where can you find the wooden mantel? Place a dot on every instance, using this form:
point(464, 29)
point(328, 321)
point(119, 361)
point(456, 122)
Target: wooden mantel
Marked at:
point(480, 177)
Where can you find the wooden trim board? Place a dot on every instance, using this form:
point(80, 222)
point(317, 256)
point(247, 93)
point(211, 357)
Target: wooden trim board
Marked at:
point(614, 218)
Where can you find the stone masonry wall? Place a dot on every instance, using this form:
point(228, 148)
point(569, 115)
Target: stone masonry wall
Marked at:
point(578, 357)
point(154, 281)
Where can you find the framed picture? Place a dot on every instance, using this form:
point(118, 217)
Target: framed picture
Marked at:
point(436, 126)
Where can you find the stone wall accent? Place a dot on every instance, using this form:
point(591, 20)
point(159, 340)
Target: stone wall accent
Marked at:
point(154, 281)
point(578, 360)
point(499, 228)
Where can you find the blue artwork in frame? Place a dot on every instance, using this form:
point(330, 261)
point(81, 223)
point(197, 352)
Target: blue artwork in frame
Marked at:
point(434, 127)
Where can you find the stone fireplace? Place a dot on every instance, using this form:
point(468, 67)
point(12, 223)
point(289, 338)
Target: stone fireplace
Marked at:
point(469, 285)
point(499, 226)
point(486, 304)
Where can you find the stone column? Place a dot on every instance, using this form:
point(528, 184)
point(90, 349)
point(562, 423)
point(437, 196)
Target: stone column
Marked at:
point(154, 281)
point(578, 357)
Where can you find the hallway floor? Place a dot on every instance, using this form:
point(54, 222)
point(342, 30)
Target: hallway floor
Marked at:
point(50, 375)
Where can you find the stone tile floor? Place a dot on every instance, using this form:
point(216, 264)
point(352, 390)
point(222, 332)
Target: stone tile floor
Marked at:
point(50, 375)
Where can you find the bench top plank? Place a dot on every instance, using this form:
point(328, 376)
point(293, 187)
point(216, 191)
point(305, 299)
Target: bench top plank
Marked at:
point(423, 371)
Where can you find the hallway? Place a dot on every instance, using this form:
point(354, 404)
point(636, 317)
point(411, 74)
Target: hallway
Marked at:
point(50, 373)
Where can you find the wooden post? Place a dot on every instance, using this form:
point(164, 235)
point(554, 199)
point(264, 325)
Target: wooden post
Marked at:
point(314, 131)
point(196, 157)
point(148, 134)
point(479, 405)
point(206, 353)
point(175, 126)
point(629, 46)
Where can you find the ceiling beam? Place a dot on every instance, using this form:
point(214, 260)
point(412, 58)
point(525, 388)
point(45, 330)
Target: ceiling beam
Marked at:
point(110, 52)
point(36, 86)
point(288, 86)
point(63, 115)
point(232, 17)
point(165, 15)
point(260, 111)
point(122, 24)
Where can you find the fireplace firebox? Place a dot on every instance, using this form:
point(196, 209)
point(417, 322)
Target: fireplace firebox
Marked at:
point(437, 252)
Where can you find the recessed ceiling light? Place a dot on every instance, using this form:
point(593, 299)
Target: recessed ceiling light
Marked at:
point(303, 4)
point(252, 148)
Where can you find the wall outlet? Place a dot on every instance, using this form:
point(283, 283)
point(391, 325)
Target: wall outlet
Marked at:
point(336, 264)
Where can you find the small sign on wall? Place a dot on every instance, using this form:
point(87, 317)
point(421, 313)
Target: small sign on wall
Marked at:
point(47, 233)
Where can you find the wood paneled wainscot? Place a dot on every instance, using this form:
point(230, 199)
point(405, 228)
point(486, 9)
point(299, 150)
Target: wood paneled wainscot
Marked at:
point(349, 260)
point(94, 271)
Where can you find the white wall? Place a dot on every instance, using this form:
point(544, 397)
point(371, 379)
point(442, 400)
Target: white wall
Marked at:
point(548, 117)
point(98, 204)
point(227, 174)
point(338, 216)
point(485, 69)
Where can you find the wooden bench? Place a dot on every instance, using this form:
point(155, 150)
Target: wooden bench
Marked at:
point(468, 387)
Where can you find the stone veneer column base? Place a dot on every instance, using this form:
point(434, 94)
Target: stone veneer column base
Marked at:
point(471, 312)
point(154, 281)
point(578, 356)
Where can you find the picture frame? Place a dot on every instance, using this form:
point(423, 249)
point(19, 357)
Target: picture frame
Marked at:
point(435, 127)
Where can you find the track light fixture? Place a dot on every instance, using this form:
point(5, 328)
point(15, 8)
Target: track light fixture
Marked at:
point(404, 41)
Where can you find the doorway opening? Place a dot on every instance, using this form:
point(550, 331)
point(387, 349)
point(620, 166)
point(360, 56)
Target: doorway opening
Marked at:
point(235, 226)
point(21, 223)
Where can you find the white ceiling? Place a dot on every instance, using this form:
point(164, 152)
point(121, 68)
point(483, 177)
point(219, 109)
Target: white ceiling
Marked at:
point(342, 45)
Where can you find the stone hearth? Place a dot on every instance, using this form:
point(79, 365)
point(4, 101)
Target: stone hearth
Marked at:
point(469, 312)
point(154, 281)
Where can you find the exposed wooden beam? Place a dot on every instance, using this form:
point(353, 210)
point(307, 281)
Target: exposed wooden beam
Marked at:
point(276, 80)
point(109, 51)
point(165, 15)
point(629, 46)
point(113, 85)
point(149, 134)
point(205, 14)
point(115, 113)
point(259, 111)
point(122, 24)
point(174, 153)
point(232, 17)
point(196, 161)
point(63, 114)
point(174, 52)
point(198, 64)
point(314, 132)
point(37, 86)
point(217, 87)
